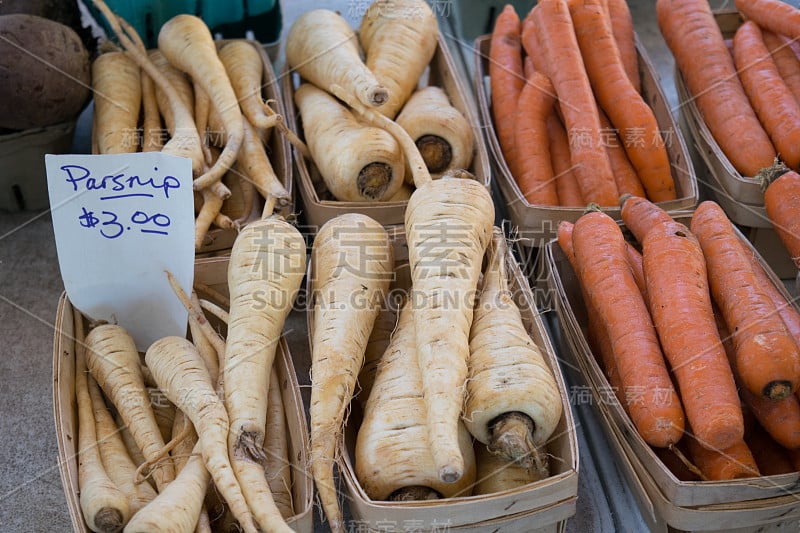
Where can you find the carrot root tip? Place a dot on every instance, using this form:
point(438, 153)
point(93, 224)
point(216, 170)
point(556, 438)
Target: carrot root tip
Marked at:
point(435, 151)
point(414, 493)
point(777, 390)
point(109, 520)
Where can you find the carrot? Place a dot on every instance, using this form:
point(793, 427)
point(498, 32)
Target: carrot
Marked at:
point(772, 100)
point(356, 161)
point(736, 462)
point(693, 36)
point(180, 372)
point(266, 268)
point(448, 226)
point(564, 66)
point(323, 49)
point(604, 272)
point(622, 28)
point(113, 360)
point(641, 216)
point(393, 459)
point(785, 61)
point(625, 175)
point(598, 337)
point(772, 15)
point(104, 507)
point(619, 99)
point(781, 196)
point(682, 312)
point(277, 466)
point(351, 262)
point(767, 357)
point(399, 38)
point(512, 404)
point(440, 131)
point(531, 45)
point(117, 87)
point(506, 79)
point(771, 459)
point(535, 170)
point(567, 188)
point(781, 419)
point(495, 474)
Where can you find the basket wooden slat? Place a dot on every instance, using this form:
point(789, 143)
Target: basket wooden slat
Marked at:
point(65, 412)
point(538, 224)
point(318, 208)
point(571, 312)
point(541, 505)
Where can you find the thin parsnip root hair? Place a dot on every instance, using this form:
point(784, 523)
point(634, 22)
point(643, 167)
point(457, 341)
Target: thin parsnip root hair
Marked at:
point(448, 226)
point(113, 360)
point(393, 458)
point(351, 268)
point(513, 403)
point(180, 372)
point(399, 38)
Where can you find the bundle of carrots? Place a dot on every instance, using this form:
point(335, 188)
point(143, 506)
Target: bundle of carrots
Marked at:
point(571, 122)
point(713, 321)
point(196, 100)
point(352, 109)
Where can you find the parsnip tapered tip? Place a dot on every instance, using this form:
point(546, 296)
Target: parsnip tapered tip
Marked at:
point(109, 520)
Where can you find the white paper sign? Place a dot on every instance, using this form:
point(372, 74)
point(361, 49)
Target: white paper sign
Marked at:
point(120, 222)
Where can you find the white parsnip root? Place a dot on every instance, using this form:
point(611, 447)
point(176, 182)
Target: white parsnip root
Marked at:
point(351, 268)
point(393, 454)
point(118, 96)
point(278, 466)
point(496, 474)
point(513, 404)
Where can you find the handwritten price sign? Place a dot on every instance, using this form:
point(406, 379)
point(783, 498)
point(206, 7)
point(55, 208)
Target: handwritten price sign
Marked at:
point(120, 221)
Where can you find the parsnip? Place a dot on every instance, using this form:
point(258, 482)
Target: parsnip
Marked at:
point(277, 466)
point(351, 265)
point(440, 131)
point(512, 403)
point(393, 455)
point(496, 474)
point(399, 38)
point(357, 162)
point(117, 87)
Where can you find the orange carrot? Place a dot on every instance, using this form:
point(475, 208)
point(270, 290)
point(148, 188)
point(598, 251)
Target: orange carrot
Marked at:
point(505, 76)
point(781, 419)
point(772, 15)
point(786, 62)
point(564, 66)
point(736, 462)
point(636, 262)
point(772, 100)
point(767, 357)
point(622, 28)
point(692, 33)
point(530, 42)
point(625, 176)
point(535, 170)
point(770, 457)
point(606, 276)
point(567, 188)
point(619, 99)
point(641, 215)
point(597, 335)
point(781, 200)
point(794, 457)
point(677, 286)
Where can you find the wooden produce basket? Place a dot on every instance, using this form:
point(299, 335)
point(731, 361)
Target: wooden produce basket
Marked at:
point(538, 224)
point(319, 204)
point(715, 499)
point(220, 241)
point(729, 186)
point(212, 272)
point(540, 506)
